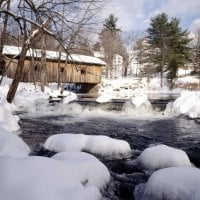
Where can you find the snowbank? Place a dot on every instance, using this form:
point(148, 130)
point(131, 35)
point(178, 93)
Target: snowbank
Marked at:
point(187, 104)
point(88, 168)
point(127, 88)
point(12, 145)
point(39, 178)
point(10, 120)
point(171, 183)
point(162, 156)
point(97, 144)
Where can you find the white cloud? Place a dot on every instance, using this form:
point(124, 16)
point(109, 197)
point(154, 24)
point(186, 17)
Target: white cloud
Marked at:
point(180, 7)
point(129, 12)
point(195, 26)
point(135, 14)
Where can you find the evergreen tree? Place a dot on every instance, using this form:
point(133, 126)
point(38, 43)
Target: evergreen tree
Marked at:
point(111, 24)
point(196, 55)
point(157, 37)
point(110, 38)
point(168, 45)
point(179, 52)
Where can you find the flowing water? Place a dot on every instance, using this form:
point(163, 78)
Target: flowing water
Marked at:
point(140, 132)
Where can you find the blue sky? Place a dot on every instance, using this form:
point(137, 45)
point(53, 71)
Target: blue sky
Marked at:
point(135, 15)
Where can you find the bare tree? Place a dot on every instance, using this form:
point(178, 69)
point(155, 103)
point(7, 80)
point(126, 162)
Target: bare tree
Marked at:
point(38, 14)
point(5, 4)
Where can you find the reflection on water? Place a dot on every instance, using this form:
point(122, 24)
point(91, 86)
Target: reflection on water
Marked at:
point(140, 133)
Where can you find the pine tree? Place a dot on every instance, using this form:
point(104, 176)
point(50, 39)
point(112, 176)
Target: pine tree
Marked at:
point(110, 42)
point(110, 24)
point(179, 52)
point(157, 37)
point(196, 55)
point(168, 45)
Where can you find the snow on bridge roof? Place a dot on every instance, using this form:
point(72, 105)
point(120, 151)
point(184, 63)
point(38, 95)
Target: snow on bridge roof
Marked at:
point(53, 55)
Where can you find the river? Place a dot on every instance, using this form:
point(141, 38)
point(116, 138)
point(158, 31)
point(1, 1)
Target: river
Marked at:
point(139, 131)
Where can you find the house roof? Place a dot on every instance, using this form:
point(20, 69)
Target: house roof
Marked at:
point(53, 55)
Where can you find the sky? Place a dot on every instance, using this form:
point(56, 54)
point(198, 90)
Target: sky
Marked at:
point(135, 15)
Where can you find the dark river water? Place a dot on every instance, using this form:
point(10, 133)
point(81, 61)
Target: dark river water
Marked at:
point(140, 132)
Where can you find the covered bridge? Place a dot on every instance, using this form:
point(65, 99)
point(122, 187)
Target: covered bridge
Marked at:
point(80, 69)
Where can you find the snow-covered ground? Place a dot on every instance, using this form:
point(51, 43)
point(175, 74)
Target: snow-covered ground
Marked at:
point(57, 179)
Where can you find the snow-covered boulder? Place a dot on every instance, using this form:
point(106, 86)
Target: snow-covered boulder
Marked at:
point(8, 118)
point(175, 183)
point(187, 104)
point(90, 170)
point(41, 178)
point(66, 142)
point(12, 145)
point(139, 100)
point(97, 144)
point(106, 146)
point(104, 98)
point(69, 97)
point(162, 156)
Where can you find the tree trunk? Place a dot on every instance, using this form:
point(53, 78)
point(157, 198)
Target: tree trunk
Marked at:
point(59, 70)
point(43, 77)
point(18, 74)
point(2, 41)
point(162, 68)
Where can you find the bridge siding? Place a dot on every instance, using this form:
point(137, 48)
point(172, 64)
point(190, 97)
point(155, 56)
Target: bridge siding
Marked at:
point(72, 72)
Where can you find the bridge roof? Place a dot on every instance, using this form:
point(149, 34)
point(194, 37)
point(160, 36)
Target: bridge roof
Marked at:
point(54, 55)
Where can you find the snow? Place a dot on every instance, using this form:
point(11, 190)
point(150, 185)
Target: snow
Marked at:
point(104, 98)
point(163, 156)
point(139, 100)
point(8, 118)
point(73, 174)
point(171, 183)
point(187, 104)
point(41, 178)
point(11, 144)
point(81, 164)
point(13, 50)
point(69, 97)
point(97, 144)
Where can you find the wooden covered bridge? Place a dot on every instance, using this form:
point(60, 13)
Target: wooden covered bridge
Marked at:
point(80, 69)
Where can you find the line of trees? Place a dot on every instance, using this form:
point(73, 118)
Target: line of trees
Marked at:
point(162, 50)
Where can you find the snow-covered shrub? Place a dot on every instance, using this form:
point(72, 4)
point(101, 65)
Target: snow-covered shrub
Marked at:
point(162, 156)
point(174, 183)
